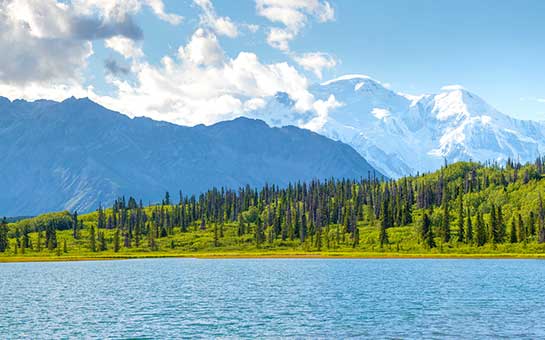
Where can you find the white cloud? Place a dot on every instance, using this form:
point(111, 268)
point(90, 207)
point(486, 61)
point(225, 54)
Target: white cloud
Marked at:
point(45, 44)
point(118, 10)
point(220, 25)
point(126, 47)
point(203, 49)
point(293, 14)
point(322, 108)
point(158, 7)
point(35, 44)
point(315, 62)
point(202, 85)
point(452, 88)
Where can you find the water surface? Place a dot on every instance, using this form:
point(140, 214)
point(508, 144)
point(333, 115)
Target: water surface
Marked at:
point(272, 298)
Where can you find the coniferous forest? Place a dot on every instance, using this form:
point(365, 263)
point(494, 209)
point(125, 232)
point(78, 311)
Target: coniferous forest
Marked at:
point(463, 209)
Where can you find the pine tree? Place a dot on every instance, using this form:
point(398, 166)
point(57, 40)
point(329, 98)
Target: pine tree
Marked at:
point(75, 225)
point(216, 238)
point(522, 229)
point(92, 240)
point(513, 238)
point(445, 223)
point(469, 228)
point(541, 231)
point(117, 245)
point(4, 242)
point(427, 232)
point(384, 223)
point(356, 240)
point(102, 246)
point(461, 236)
point(480, 233)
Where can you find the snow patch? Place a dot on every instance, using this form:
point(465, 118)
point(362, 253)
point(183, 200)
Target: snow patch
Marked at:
point(380, 113)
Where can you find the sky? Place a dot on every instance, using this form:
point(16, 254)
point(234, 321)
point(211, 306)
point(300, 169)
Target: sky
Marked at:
point(202, 61)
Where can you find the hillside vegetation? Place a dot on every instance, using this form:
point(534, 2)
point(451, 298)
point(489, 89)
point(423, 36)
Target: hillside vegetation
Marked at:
point(464, 209)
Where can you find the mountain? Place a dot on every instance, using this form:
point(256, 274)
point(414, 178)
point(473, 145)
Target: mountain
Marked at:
point(401, 134)
point(75, 154)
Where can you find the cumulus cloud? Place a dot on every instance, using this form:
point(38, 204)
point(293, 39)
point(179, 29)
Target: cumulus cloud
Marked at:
point(220, 25)
point(202, 49)
point(293, 15)
point(45, 44)
point(202, 85)
point(315, 62)
point(322, 108)
point(126, 47)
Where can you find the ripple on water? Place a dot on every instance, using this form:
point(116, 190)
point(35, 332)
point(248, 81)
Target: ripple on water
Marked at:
point(294, 298)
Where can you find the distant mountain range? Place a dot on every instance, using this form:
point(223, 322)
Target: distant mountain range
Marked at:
point(401, 134)
point(75, 154)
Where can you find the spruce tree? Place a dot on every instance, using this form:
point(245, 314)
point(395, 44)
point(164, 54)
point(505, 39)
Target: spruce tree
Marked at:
point(469, 228)
point(522, 229)
point(117, 244)
point(480, 233)
point(445, 223)
point(427, 232)
point(356, 240)
point(384, 223)
point(92, 240)
point(461, 236)
point(513, 234)
point(4, 241)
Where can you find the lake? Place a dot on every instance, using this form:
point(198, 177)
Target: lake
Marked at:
point(272, 298)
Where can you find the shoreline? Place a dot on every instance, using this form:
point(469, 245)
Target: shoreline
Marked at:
point(219, 256)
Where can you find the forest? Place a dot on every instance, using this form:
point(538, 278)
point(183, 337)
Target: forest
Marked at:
point(463, 209)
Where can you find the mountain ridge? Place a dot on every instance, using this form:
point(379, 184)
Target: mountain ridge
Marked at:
point(76, 154)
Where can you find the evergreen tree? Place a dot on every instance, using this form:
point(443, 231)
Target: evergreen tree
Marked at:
point(383, 235)
point(102, 246)
point(356, 240)
point(461, 236)
point(480, 232)
point(117, 244)
point(469, 228)
point(92, 240)
point(513, 234)
point(445, 223)
point(4, 242)
point(427, 232)
point(522, 229)
point(75, 225)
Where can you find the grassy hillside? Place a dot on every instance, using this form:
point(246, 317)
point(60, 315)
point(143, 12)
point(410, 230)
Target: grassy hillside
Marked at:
point(472, 210)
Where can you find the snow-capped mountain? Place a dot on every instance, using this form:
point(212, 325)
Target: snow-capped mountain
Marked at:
point(401, 134)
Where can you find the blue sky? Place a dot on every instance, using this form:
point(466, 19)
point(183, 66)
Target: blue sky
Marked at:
point(493, 48)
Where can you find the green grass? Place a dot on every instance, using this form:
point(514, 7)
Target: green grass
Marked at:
point(200, 244)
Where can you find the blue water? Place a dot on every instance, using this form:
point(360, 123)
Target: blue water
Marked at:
point(266, 298)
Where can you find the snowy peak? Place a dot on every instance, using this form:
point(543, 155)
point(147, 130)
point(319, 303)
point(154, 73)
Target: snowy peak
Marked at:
point(402, 134)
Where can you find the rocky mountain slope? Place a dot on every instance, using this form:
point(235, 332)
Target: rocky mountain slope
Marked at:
point(75, 154)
